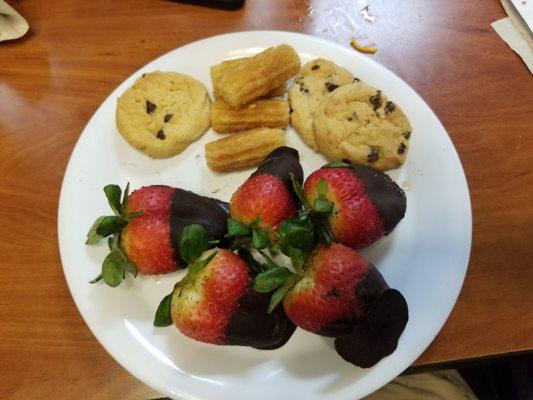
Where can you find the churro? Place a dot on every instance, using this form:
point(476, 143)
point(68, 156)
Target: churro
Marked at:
point(254, 77)
point(243, 150)
point(270, 113)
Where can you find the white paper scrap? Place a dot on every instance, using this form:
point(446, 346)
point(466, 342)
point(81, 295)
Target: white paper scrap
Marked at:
point(516, 41)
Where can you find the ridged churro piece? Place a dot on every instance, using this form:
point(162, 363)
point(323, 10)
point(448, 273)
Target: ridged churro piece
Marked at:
point(243, 150)
point(217, 71)
point(256, 76)
point(269, 113)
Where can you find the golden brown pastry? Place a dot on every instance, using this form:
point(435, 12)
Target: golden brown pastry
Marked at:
point(270, 113)
point(243, 150)
point(254, 77)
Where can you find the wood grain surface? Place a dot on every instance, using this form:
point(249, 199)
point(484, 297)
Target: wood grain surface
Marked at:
point(77, 52)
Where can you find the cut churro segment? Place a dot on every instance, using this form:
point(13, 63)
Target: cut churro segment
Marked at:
point(243, 150)
point(254, 77)
point(218, 70)
point(271, 113)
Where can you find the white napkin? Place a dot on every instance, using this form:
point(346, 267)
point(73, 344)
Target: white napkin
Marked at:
point(517, 29)
point(12, 24)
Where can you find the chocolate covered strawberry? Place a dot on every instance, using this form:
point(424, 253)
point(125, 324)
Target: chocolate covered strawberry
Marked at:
point(357, 203)
point(215, 303)
point(266, 199)
point(340, 294)
point(146, 227)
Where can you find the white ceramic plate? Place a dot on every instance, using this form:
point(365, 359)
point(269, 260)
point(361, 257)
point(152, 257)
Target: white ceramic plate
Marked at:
point(425, 257)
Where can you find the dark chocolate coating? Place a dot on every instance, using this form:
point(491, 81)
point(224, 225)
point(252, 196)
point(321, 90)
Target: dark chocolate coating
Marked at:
point(366, 291)
point(188, 208)
point(250, 325)
point(377, 336)
point(386, 195)
point(282, 162)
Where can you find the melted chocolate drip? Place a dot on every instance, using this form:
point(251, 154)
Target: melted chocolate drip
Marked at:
point(386, 195)
point(378, 335)
point(282, 162)
point(188, 208)
point(252, 326)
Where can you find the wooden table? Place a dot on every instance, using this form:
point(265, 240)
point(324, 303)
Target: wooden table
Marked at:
point(77, 52)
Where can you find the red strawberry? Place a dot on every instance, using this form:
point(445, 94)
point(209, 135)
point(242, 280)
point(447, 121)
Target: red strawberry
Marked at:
point(146, 227)
point(342, 295)
point(367, 203)
point(216, 304)
point(268, 194)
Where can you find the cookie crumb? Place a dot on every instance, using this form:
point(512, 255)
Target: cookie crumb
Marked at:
point(150, 106)
point(161, 134)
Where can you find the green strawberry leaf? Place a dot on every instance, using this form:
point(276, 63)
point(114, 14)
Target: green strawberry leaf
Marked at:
point(237, 228)
point(192, 242)
point(260, 239)
point(298, 191)
point(271, 279)
point(110, 225)
point(113, 193)
point(112, 270)
point(97, 279)
point(111, 242)
point(297, 259)
point(125, 199)
point(323, 205)
point(324, 235)
point(336, 164)
point(93, 237)
point(163, 315)
point(322, 187)
point(270, 262)
point(199, 265)
point(247, 256)
point(255, 223)
point(129, 216)
point(279, 294)
point(298, 233)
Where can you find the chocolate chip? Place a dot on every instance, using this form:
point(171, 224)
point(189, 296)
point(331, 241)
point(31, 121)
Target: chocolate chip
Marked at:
point(168, 117)
point(161, 134)
point(376, 100)
point(144, 75)
point(290, 110)
point(406, 134)
point(303, 89)
point(352, 117)
point(150, 106)
point(356, 79)
point(401, 148)
point(331, 86)
point(389, 107)
point(373, 156)
point(315, 67)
